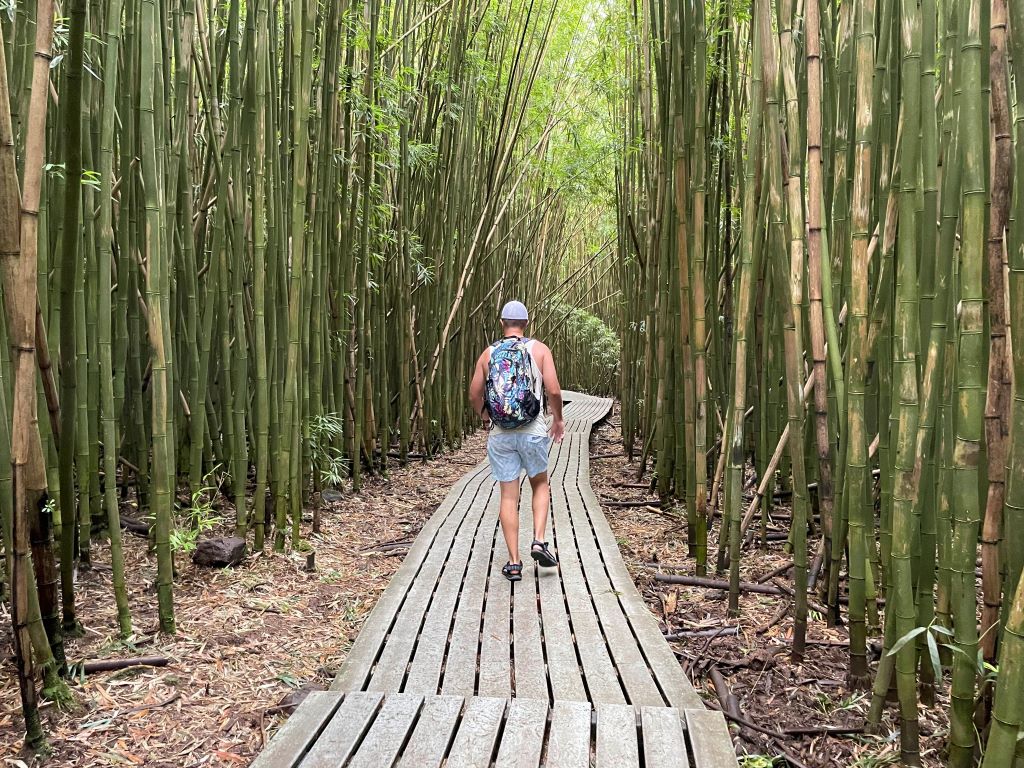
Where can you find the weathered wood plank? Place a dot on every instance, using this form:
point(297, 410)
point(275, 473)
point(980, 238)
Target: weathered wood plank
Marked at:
point(390, 669)
point(477, 734)
point(425, 668)
point(356, 669)
point(522, 741)
point(428, 745)
point(659, 656)
point(601, 678)
point(343, 733)
point(664, 742)
point(617, 745)
point(462, 659)
point(528, 663)
point(569, 739)
point(495, 662)
point(386, 736)
point(563, 667)
point(630, 663)
point(299, 731)
point(709, 736)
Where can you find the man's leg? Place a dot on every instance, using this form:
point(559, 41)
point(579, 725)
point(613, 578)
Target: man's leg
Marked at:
point(541, 501)
point(509, 517)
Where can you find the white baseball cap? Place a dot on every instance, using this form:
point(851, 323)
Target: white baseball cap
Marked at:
point(515, 310)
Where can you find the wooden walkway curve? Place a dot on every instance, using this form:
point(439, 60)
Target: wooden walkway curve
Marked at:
point(455, 666)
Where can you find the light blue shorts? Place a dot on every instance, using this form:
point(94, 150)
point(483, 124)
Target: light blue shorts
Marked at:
point(509, 453)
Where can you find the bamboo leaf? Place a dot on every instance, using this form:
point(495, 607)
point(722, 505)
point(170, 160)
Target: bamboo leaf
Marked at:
point(899, 644)
point(933, 652)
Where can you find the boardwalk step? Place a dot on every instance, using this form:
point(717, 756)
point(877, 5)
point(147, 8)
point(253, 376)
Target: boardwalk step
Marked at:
point(402, 730)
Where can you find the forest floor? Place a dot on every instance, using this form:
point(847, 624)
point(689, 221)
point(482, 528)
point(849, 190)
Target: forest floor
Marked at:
point(250, 640)
point(772, 692)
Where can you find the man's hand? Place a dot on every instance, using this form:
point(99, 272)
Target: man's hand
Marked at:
point(557, 431)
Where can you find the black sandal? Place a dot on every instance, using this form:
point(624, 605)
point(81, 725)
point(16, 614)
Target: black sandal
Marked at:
point(513, 571)
point(540, 552)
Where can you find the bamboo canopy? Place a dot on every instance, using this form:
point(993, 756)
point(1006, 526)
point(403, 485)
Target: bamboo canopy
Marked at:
point(251, 251)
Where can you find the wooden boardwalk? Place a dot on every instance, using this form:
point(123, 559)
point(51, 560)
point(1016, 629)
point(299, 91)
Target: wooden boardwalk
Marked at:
point(455, 666)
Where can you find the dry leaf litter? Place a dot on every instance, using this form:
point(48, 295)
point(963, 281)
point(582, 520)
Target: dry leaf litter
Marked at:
point(773, 692)
point(250, 642)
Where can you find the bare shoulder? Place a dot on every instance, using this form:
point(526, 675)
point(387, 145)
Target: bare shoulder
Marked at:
point(484, 358)
point(542, 353)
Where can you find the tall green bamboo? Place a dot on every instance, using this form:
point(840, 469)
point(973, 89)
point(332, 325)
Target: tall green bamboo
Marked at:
point(69, 273)
point(157, 286)
point(744, 307)
point(855, 493)
point(906, 340)
point(1007, 712)
point(969, 412)
point(112, 40)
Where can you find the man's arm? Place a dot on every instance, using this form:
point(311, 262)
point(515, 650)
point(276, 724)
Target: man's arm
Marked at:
point(554, 392)
point(476, 389)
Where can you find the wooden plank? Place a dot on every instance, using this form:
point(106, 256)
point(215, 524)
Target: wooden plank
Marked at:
point(710, 739)
point(663, 663)
point(462, 658)
point(355, 671)
point(425, 667)
point(299, 731)
point(664, 742)
point(389, 671)
point(617, 745)
point(388, 733)
point(585, 408)
point(637, 677)
point(495, 664)
point(478, 733)
point(602, 681)
point(563, 667)
point(343, 733)
point(428, 745)
point(528, 650)
point(523, 738)
point(569, 740)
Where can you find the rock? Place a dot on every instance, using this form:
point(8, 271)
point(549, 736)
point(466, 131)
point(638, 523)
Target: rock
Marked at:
point(220, 552)
point(292, 699)
point(331, 495)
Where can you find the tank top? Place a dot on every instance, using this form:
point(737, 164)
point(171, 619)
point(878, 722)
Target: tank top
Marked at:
point(539, 426)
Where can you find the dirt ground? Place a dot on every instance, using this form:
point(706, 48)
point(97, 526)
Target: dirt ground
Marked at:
point(252, 639)
point(248, 637)
point(772, 692)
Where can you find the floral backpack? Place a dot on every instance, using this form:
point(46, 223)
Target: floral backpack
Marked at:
point(509, 392)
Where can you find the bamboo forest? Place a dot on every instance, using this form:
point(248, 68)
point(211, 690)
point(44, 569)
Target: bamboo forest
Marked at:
point(251, 252)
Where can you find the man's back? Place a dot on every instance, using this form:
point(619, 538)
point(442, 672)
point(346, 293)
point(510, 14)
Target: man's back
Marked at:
point(510, 451)
point(540, 356)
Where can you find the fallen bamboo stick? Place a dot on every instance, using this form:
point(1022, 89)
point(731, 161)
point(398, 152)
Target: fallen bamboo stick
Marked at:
point(776, 572)
point(725, 695)
point(689, 634)
point(699, 581)
point(613, 503)
point(813, 604)
point(779, 616)
point(111, 665)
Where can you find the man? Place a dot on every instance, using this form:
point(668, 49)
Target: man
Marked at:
point(509, 382)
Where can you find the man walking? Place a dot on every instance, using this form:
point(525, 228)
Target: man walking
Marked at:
point(509, 383)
